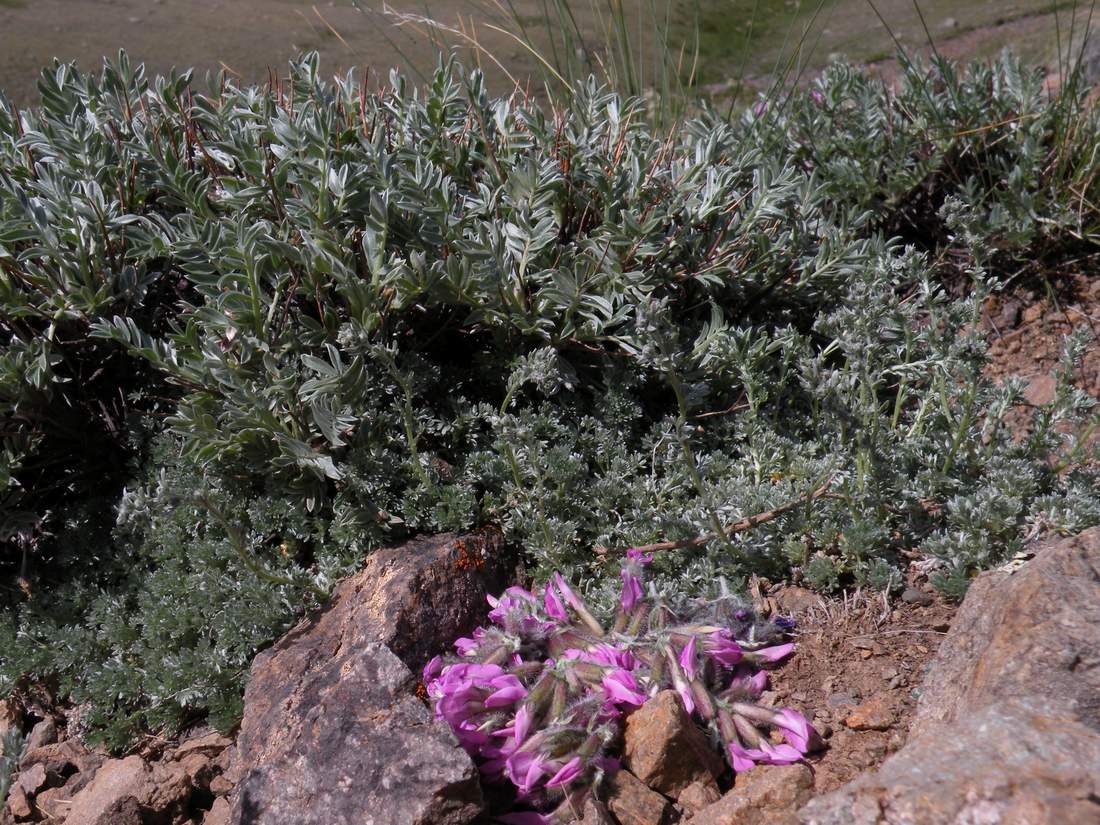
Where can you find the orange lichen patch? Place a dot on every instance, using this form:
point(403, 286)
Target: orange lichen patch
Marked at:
point(465, 559)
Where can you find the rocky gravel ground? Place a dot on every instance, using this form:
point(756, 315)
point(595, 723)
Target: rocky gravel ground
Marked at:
point(928, 715)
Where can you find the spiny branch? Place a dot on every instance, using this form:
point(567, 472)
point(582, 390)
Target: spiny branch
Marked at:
point(739, 526)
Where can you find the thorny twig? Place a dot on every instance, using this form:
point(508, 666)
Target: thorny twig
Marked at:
point(739, 526)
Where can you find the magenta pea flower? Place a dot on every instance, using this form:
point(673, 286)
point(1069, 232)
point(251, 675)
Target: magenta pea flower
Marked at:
point(432, 669)
point(526, 769)
point(520, 726)
point(467, 696)
point(509, 690)
point(514, 598)
point(468, 646)
point(553, 605)
point(578, 606)
point(632, 590)
point(620, 688)
point(783, 754)
point(687, 659)
point(796, 729)
point(798, 732)
point(722, 647)
point(818, 97)
point(769, 654)
point(610, 655)
point(746, 686)
point(567, 773)
point(567, 593)
point(631, 574)
point(740, 757)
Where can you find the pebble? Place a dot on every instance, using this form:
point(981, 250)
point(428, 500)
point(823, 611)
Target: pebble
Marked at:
point(1032, 313)
point(874, 714)
point(840, 700)
point(914, 596)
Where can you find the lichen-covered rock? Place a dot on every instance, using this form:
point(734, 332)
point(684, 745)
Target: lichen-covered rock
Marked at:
point(332, 731)
point(1007, 729)
point(765, 795)
point(665, 749)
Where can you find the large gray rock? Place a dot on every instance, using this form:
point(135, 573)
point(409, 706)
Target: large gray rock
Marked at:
point(333, 733)
point(1008, 726)
point(357, 746)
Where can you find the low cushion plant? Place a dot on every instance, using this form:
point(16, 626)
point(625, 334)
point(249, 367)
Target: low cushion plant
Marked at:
point(538, 698)
point(248, 334)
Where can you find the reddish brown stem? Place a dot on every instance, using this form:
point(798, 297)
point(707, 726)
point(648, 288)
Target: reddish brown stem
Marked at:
point(739, 526)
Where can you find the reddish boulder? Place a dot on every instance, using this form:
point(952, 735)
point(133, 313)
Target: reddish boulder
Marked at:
point(665, 749)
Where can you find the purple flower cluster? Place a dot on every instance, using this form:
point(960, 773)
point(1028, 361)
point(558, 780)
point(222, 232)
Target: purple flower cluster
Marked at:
point(537, 697)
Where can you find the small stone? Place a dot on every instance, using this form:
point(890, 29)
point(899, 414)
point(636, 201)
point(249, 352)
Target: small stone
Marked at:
point(895, 741)
point(53, 802)
point(595, 813)
point(874, 714)
point(949, 23)
point(841, 700)
point(697, 796)
point(1032, 314)
point(42, 734)
point(20, 804)
point(212, 743)
point(218, 813)
point(1041, 390)
point(32, 779)
point(116, 781)
point(664, 748)
point(914, 596)
point(63, 758)
point(633, 803)
point(765, 795)
point(865, 654)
